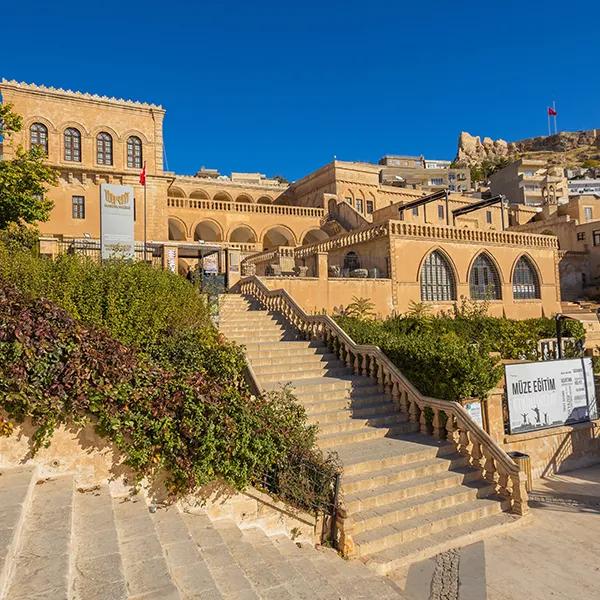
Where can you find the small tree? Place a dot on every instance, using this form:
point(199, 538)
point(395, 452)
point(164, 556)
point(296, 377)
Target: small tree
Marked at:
point(24, 180)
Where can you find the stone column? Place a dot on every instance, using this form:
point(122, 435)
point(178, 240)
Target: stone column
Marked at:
point(233, 267)
point(321, 264)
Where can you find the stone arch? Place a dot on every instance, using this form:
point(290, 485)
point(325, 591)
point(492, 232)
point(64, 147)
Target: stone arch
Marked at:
point(243, 234)
point(245, 198)
point(106, 129)
point(437, 277)
point(526, 279)
point(175, 192)
point(485, 280)
point(312, 236)
point(75, 124)
point(208, 231)
point(135, 132)
point(276, 236)
point(265, 200)
point(222, 197)
point(47, 122)
point(199, 195)
point(177, 229)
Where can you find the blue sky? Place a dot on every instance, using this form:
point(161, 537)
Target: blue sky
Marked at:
point(281, 88)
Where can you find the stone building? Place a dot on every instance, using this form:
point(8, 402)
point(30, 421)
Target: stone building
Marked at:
point(339, 232)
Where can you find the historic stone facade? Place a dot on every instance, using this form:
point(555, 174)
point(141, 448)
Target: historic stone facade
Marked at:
point(401, 253)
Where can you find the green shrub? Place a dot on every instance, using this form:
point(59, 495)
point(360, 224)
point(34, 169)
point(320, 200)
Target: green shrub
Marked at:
point(181, 422)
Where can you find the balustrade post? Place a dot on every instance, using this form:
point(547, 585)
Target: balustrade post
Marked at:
point(437, 429)
point(452, 433)
point(476, 455)
point(423, 421)
point(396, 394)
point(519, 494)
point(387, 383)
point(489, 467)
point(349, 361)
point(364, 366)
point(413, 412)
point(380, 378)
point(356, 365)
point(463, 440)
point(373, 367)
point(404, 403)
point(503, 484)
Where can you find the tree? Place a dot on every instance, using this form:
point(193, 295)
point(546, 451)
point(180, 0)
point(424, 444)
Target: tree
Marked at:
point(24, 180)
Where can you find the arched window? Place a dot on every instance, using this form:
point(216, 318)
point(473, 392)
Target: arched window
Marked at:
point(437, 279)
point(72, 144)
point(484, 280)
point(104, 149)
point(38, 136)
point(351, 261)
point(526, 284)
point(134, 152)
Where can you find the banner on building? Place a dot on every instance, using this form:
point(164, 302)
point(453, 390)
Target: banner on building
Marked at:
point(550, 393)
point(116, 221)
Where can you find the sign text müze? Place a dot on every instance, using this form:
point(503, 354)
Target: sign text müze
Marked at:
point(116, 221)
point(550, 393)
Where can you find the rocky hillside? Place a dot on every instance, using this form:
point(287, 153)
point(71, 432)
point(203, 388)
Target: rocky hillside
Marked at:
point(568, 148)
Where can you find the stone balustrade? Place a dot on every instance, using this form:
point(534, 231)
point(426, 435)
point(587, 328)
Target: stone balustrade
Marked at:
point(442, 419)
point(245, 207)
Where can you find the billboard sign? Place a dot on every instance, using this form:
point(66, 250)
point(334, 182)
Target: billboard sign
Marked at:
point(550, 393)
point(116, 221)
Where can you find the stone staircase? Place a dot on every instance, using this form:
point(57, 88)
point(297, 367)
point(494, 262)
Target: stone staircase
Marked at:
point(406, 495)
point(60, 542)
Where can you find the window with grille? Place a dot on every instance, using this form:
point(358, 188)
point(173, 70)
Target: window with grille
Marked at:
point(359, 205)
point(588, 213)
point(78, 207)
point(488, 217)
point(104, 149)
point(440, 212)
point(596, 237)
point(370, 206)
point(581, 235)
point(415, 211)
point(351, 261)
point(437, 279)
point(72, 139)
point(134, 152)
point(526, 284)
point(484, 281)
point(38, 136)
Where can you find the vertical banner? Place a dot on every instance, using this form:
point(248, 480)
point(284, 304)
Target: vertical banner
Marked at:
point(116, 221)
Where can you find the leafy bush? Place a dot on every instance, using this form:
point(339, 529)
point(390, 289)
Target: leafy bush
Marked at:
point(138, 304)
point(448, 355)
point(180, 422)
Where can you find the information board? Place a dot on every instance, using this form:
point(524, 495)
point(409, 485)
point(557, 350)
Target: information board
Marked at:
point(550, 393)
point(116, 221)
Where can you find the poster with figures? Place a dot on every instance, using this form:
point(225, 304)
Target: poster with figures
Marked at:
point(550, 393)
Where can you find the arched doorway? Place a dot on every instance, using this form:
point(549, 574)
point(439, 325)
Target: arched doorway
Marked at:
point(278, 236)
point(176, 230)
point(208, 231)
point(243, 235)
point(313, 236)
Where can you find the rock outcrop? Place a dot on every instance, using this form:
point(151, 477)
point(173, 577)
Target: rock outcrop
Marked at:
point(472, 150)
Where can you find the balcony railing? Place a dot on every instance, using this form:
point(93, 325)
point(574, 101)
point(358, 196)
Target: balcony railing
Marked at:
point(245, 207)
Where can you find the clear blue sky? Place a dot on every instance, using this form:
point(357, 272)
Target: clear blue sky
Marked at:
point(281, 87)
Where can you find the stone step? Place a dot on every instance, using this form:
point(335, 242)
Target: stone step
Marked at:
point(389, 560)
point(373, 487)
point(329, 384)
point(341, 400)
point(335, 440)
point(390, 452)
point(297, 377)
point(98, 572)
point(285, 360)
point(227, 575)
point(390, 419)
point(249, 325)
point(185, 563)
point(144, 563)
point(42, 566)
point(419, 505)
point(16, 491)
point(296, 368)
point(268, 348)
point(361, 408)
point(385, 537)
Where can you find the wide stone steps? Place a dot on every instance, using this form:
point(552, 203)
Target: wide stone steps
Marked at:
point(396, 534)
point(368, 486)
point(59, 541)
point(419, 505)
point(404, 493)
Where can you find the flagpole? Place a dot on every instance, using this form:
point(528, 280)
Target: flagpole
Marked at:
point(548, 114)
point(555, 113)
point(145, 239)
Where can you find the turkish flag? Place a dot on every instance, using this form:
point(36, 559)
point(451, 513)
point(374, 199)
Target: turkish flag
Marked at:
point(551, 112)
point(143, 175)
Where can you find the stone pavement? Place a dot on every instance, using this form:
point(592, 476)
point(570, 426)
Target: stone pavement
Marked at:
point(554, 554)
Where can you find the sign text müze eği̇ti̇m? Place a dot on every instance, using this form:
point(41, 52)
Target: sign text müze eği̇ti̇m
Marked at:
point(116, 221)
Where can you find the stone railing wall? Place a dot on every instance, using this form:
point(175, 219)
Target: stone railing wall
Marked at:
point(448, 420)
point(480, 236)
point(245, 207)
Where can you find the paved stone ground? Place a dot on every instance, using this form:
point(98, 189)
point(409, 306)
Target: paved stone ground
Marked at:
point(554, 555)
